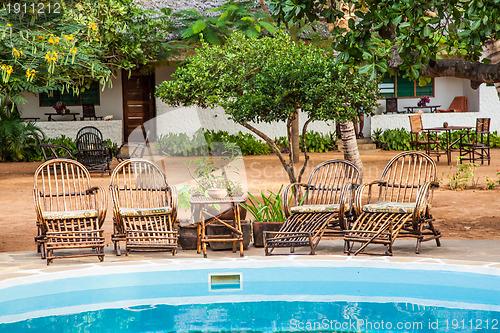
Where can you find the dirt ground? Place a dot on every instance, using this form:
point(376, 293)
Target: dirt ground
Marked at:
point(467, 214)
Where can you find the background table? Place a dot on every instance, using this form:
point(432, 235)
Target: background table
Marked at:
point(432, 108)
point(50, 114)
point(448, 143)
point(206, 218)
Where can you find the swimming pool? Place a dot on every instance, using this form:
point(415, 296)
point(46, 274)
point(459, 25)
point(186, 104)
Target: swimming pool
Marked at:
point(285, 294)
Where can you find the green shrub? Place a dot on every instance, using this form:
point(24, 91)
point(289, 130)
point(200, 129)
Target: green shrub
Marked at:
point(316, 142)
point(392, 139)
point(16, 140)
point(204, 142)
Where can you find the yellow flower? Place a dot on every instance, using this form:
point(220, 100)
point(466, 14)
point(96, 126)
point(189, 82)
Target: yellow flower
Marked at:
point(93, 26)
point(73, 50)
point(51, 56)
point(97, 39)
point(70, 37)
point(30, 73)
point(17, 53)
point(53, 40)
point(7, 68)
point(9, 25)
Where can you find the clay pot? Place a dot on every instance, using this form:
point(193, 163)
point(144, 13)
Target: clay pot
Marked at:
point(217, 193)
point(188, 236)
point(260, 227)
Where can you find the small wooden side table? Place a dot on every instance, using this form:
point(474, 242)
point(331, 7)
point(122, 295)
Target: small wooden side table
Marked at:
point(207, 218)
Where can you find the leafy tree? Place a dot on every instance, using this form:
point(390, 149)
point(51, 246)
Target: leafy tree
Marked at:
point(421, 38)
point(234, 15)
point(68, 46)
point(267, 80)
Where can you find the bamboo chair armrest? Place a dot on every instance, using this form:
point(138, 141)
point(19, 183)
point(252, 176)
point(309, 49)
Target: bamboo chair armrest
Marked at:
point(101, 201)
point(287, 198)
point(38, 209)
point(53, 148)
point(434, 184)
point(422, 202)
point(174, 198)
point(346, 199)
point(359, 194)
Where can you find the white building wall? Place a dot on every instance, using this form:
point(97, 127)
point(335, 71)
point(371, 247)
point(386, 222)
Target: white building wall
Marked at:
point(482, 103)
point(489, 106)
point(111, 129)
point(110, 104)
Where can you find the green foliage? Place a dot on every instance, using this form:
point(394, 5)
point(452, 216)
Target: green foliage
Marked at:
point(490, 183)
point(268, 209)
point(421, 32)
point(459, 178)
point(86, 41)
point(206, 142)
point(494, 140)
point(316, 142)
point(266, 79)
point(16, 140)
point(194, 26)
point(392, 139)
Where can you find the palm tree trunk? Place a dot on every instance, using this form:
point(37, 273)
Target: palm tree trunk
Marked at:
point(294, 142)
point(350, 145)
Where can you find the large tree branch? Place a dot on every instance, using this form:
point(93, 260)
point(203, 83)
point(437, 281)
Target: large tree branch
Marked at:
point(476, 72)
point(274, 147)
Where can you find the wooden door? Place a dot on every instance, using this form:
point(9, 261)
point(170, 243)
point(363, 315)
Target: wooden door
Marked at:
point(138, 102)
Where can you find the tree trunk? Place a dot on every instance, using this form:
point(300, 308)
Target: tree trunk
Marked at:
point(350, 145)
point(294, 142)
point(491, 51)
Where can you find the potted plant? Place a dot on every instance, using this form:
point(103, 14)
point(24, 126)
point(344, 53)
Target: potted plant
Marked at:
point(268, 214)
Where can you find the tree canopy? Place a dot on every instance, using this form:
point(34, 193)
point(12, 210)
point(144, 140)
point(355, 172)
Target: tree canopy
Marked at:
point(67, 46)
point(269, 79)
point(422, 38)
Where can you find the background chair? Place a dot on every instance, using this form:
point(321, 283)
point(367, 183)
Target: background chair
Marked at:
point(459, 104)
point(391, 105)
point(70, 212)
point(144, 207)
point(401, 208)
point(52, 151)
point(475, 146)
point(88, 111)
point(131, 149)
point(323, 202)
point(420, 140)
point(92, 151)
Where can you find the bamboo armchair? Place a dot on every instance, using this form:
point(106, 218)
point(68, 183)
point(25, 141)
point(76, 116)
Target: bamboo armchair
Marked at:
point(459, 104)
point(321, 205)
point(144, 208)
point(402, 207)
point(92, 151)
point(70, 212)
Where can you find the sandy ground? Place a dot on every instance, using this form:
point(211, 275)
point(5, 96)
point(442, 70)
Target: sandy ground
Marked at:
point(468, 214)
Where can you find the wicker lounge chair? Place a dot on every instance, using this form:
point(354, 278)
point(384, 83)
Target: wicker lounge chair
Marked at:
point(402, 208)
point(52, 151)
point(70, 212)
point(459, 104)
point(324, 202)
point(92, 150)
point(144, 207)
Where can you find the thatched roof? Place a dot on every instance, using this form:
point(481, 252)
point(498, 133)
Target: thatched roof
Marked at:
point(178, 5)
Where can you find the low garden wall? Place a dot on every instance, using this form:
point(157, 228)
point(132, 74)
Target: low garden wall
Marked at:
point(111, 129)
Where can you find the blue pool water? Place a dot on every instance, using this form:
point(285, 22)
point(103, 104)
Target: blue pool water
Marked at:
point(262, 296)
